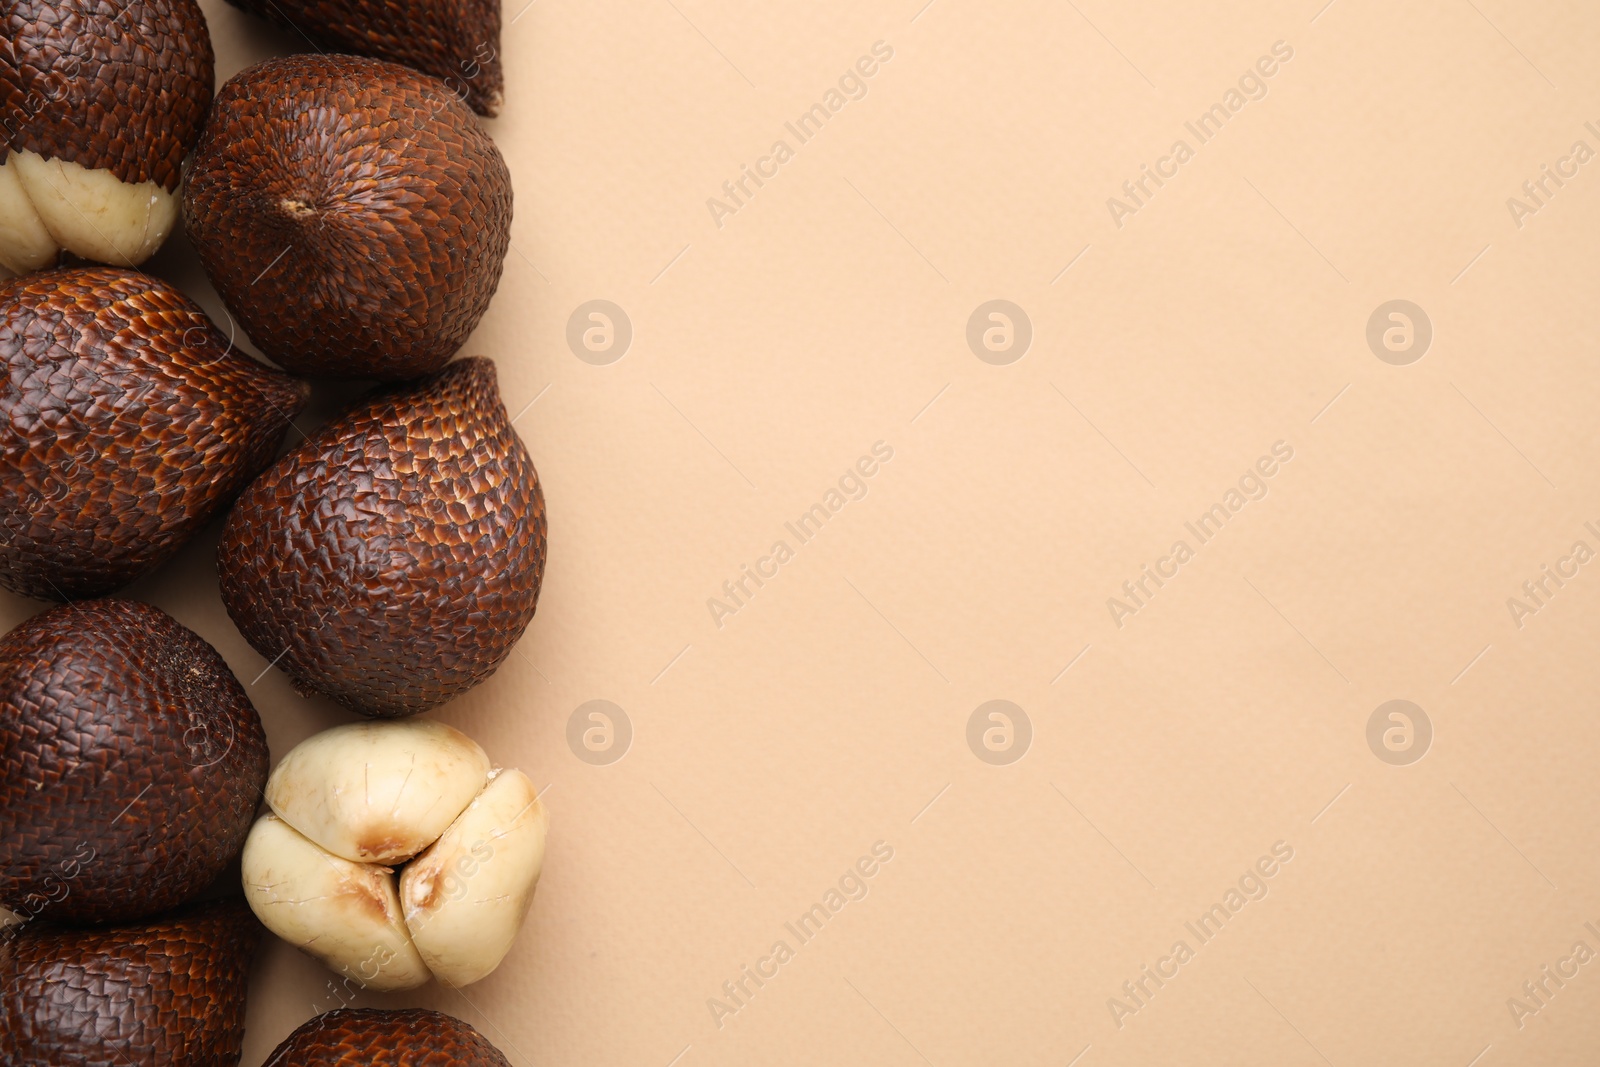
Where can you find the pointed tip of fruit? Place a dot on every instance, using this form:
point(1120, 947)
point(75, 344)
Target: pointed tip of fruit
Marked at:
point(478, 369)
point(286, 394)
point(300, 396)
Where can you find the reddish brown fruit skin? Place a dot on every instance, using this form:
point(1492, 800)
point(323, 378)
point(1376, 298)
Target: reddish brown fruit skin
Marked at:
point(131, 763)
point(393, 560)
point(456, 41)
point(352, 213)
point(125, 424)
point(169, 993)
point(372, 1037)
point(109, 86)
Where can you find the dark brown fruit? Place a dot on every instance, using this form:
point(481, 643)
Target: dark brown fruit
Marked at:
point(457, 41)
point(131, 763)
point(372, 1037)
point(352, 213)
point(393, 560)
point(119, 87)
point(115, 88)
point(168, 993)
point(125, 423)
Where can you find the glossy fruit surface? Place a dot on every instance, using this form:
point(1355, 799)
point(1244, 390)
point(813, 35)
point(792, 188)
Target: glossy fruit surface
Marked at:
point(352, 213)
point(393, 560)
point(166, 993)
point(371, 1037)
point(131, 763)
point(126, 421)
point(456, 41)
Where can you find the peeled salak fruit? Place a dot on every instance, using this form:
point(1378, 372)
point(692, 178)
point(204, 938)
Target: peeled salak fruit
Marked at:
point(131, 763)
point(166, 993)
point(126, 422)
point(457, 41)
point(99, 104)
point(373, 1037)
point(393, 560)
point(354, 803)
point(353, 214)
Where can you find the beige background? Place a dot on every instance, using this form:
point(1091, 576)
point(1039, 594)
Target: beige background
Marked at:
point(831, 711)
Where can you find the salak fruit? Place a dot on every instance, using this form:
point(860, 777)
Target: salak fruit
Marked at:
point(99, 104)
point(352, 213)
point(131, 763)
point(127, 420)
point(393, 560)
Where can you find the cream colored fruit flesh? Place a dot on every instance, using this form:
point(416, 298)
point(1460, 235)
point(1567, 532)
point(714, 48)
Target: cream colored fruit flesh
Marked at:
point(47, 205)
point(345, 914)
point(466, 896)
point(378, 792)
point(351, 804)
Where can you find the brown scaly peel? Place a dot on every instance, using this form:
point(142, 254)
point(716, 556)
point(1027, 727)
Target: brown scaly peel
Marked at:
point(131, 763)
point(392, 560)
point(166, 992)
point(353, 214)
point(373, 1037)
point(126, 422)
point(456, 41)
point(99, 104)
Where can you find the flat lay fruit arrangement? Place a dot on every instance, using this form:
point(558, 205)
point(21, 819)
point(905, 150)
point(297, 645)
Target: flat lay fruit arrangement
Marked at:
point(353, 216)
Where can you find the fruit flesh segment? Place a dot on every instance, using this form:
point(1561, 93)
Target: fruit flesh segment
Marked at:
point(345, 914)
point(378, 793)
point(25, 243)
point(47, 205)
point(466, 896)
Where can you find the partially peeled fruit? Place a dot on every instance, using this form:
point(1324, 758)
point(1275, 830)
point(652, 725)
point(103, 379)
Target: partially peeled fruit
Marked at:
point(99, 105)
point(323, 870)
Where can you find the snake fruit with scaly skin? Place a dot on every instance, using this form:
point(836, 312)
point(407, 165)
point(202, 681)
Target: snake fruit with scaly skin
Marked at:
point(127, 421)
point(393, 559)
point(352, 213)
point(372, 1037)
point(131, 763)
point(99, 104)
point(157, 994)
point(456, 41)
